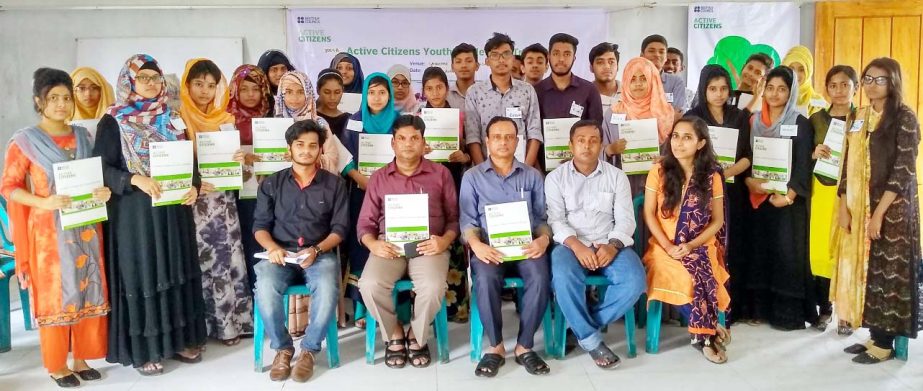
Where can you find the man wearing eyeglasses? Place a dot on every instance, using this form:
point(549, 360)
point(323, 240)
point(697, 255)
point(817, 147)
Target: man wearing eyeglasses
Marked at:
point(502, 96)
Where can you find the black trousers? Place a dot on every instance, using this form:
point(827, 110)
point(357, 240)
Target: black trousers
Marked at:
point(488, 284)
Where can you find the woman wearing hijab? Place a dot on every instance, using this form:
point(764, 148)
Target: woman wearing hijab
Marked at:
point(248, 98)
point(405, 99)
point(713, 107)
point(154, 276)
point(62, 268)
point(274, 64)
point(329, 93)
point(841, 84)
point(94, 94)
point(779, 278)
point(228, 301)
point(376, 116)
point(800, 60)
point(351, 70)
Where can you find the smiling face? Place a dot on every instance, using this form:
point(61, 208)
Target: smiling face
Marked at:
point(656, 52)
point(202, 89)
point(639, 87)
point(674, 63)
point(58, 104)
point(684, 142)
point(586, 143)
point(148, 83)
point(752, 73)
point(777, 93)
point(347, 70)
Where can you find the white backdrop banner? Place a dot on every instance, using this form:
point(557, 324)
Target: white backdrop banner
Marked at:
point(424, 38)
point(727, 33)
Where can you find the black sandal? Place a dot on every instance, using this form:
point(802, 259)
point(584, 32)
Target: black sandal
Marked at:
point(68, 381)
point(603, 352)
point(150, 369)
point(533, 363)
point(489, 365)
point(89, 374)
point(421, 355)
point(188, 360)
point(856, 349)
point(396, 358)
point(868, 358)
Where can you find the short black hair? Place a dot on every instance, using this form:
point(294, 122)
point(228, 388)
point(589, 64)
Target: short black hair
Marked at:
point(604, 48)
point(380, 81)
point(465, 47)
point(498, 119)
point(518, 57)
point(201, 68)
point(651, 39)
point(44, 79)
point(583, 123)
point(785, 73)
point(535, 48)
point(762, 58)
point(409, 120)
point(328, 74)
point(677, 52)
point(305, 126)
point(563, 38)
point(498, 40)
point(434, 73)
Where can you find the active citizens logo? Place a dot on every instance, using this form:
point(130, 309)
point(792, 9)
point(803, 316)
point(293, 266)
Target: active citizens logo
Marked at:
point(712, 22)
point(311, 35)
point(308, 20)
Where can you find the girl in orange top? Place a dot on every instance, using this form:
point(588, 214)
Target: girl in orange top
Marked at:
point(684, 210)
point(63, 268)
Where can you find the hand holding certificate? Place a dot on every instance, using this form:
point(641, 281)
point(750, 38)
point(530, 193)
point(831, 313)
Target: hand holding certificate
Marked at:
point(171, 168)
point(80, 179)
point(724, 141)
point(772, 161)
point(374, 152)
point(509, 229)
point(406, 219)
point(442, 132)
point(557, 140)
point(830, 166)
point(269, 144)
point(216, 159)
point(251, 185)
point(643, 145)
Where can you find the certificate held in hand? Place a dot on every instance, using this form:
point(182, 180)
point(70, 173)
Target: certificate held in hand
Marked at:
point(216, 159)
point(171, 167)
point(642, 145)
point(406, 219)
point(724, 142)
point(442, 132)
point(509, 228)
point(269, 144)
point(77, 179)
point(772, 161)
point(557, 139)
point(830, 167)
point(374, 152)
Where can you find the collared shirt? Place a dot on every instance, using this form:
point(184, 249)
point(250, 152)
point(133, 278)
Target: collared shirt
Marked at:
point(289, 212)
point(595, 208)
point(455, 98)
point(430, 178)
point(580, 96)
point(482, 185)
point(673, 84)
point(484, 102)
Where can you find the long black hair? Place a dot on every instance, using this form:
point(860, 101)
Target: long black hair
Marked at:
point(672, 175)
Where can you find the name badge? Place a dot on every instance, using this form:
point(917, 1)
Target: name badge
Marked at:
point(576, 110)
point(618, 119)
point(354, 125)
point(669, 97)
point(513, 112)
point(789, 130)
point(226, 127)
point(178, 123)
point(856, 125)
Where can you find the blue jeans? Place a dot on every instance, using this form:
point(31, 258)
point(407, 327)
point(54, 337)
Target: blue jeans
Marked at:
point(323, 281)
point(568, 277)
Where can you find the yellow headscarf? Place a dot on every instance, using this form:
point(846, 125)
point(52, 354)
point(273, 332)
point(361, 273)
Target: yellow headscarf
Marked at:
point(214, 116)
point(106, 95)
point(806, 93)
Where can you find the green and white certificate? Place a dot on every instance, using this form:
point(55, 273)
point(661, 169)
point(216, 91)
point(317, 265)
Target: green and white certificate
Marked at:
point(557, 140)
point(171, 167)
point(216, 159)
point(406, 219)
point(78, 179)
point(772, 161)
point(269, 144)
point(509, 228)
point(642, 147)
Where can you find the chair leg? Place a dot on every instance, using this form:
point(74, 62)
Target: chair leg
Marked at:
point(654, 309)
point(641, 311)
point(333, 344)
point(630, 327)
point(257, 339)
point(560, 331)
point(548, 330)
point(361, 312)
point(476, 327)
point(441, 326)
point(6, 339)
point(721, 319)
point(370, 325)
point(901, 348)
point(26, 309)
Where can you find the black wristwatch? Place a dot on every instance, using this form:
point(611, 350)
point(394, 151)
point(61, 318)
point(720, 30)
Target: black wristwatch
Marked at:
point(617, 244)
point(317, 250)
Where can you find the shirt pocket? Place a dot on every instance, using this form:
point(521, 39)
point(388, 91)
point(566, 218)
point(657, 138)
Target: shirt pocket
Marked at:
point(603, 202)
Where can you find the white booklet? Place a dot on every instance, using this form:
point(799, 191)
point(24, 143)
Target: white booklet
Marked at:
point(772, 161)
point(830, 167)
point(744, 100)
point(90, 125)
point(557, 139)
point(290, 257)
point(269, 144)
point(642, 147)
point(216, 159)
point(251, 185)
point(509, 228)
point(374, 152)
point(350, 103)
point(406, 219)
point(724, 141)
point(78, 179)
point(442, 132)
point(171, 167)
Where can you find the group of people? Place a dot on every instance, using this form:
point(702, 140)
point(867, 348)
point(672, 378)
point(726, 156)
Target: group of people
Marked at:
point(154, 283)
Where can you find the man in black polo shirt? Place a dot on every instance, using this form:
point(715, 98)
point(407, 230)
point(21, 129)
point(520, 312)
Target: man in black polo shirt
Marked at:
point(302, 210)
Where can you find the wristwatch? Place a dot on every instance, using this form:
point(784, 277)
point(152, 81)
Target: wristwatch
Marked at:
point(317, 250)
point(617, 244)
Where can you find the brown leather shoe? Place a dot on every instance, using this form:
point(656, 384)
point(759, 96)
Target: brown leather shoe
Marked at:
point(304, 367)
point(281, 365)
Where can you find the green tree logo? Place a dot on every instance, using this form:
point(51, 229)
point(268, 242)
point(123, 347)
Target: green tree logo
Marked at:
point(732, 51)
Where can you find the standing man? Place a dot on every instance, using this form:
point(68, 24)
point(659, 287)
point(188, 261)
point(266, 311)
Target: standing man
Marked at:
point(465, 66)
point(517, 67)
point(750, 77)
point(676, 65)
point(535, 63)
point(654, 48)
point(564, 94)
point(604, 63)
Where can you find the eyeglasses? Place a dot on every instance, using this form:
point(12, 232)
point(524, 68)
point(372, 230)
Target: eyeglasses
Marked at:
point(505, 55)
point(83, 89)
point(398, 83)
point(880, 80)
point(148, 79)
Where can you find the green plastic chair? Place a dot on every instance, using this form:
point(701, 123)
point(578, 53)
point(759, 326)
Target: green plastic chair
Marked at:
point(440, 324)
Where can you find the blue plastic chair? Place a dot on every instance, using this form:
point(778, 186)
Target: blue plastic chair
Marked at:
point(654, 312)
point(477, 328)
point(440, 324)
point(901, 348)
point(333, 345)
point(8, 269)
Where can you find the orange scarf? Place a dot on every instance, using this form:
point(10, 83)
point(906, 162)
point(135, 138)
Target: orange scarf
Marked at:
point(216, 114)
point(654, 105)
point(106, 95)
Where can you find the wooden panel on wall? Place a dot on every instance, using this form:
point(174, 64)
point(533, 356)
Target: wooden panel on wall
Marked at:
point(905, 48)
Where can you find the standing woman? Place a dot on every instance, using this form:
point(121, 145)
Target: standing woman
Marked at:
point(800, 60)
point(62, 268)
point(228, 301)
point(351, 70)
point(435, 90)
point(329, 93)
point(154, 276)
point(274, 64)
point(713, 107)
point(841, 83)
point(248, 98)
point(780, 280)
point(94, 94)
point(405, 99)
point(879, 212)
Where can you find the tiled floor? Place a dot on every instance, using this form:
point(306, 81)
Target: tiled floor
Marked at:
point(760, 359)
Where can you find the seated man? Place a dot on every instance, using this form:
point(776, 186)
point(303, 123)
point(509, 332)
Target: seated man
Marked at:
point(502, 179)
point(590, 212)
point(302, 210)
point(409, 173)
